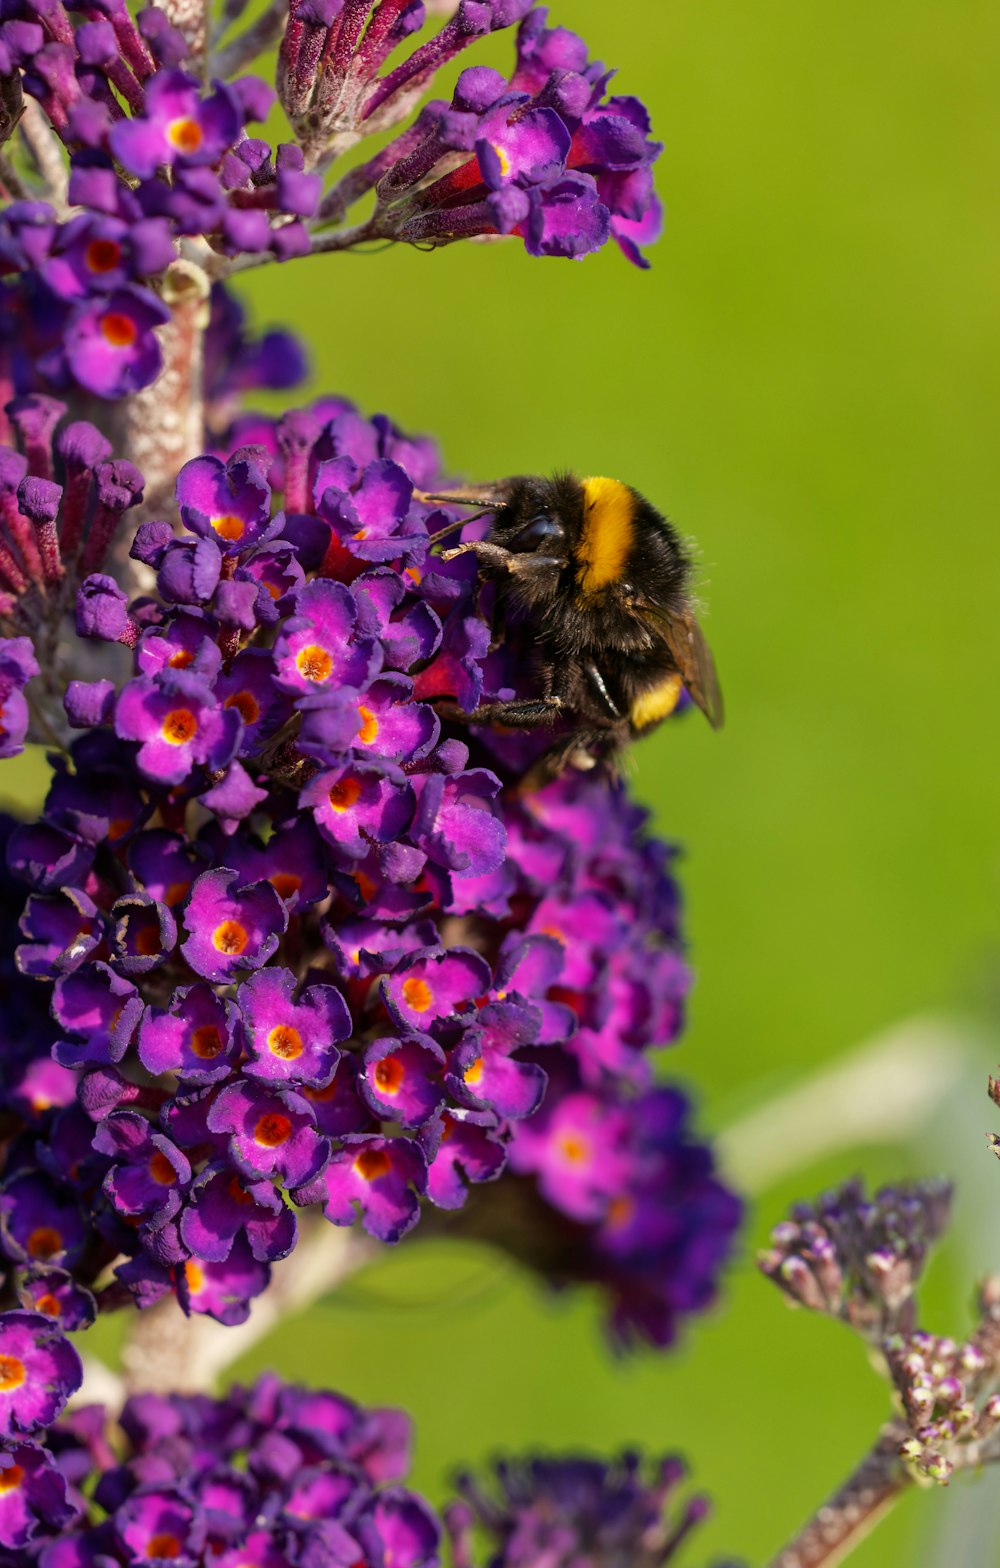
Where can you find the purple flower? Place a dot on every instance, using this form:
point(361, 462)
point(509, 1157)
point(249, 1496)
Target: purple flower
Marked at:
point(194, 1037)
point(401, 1079)
point(179, 726)
point(223, 1289)
point(33, 1495)
point(317, 648)
point(231, 927)
point(110, 345)
point(463, 1148)
point(222, 1207)
point(287, 1041)
point(383, 1177)
point(39, 1370)
point(432, 986)
point(179, 128)
point(17, 665)
point(157, 1524)
point(359, 805)
point(150, 1174)
point(271, 1133)
point(227, 502)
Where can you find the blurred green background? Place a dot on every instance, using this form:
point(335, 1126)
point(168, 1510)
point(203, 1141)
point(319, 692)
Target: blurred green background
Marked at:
point(806, 382)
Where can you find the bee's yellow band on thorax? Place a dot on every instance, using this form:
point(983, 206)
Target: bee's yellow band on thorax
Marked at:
point(606, 538)
point(651, 706)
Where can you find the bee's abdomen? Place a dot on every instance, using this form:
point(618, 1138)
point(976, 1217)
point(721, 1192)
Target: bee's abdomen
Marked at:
point(656, 702)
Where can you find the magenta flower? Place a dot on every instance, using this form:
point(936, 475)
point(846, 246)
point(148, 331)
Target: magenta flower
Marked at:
point(223, 1289)
point(401, 1079)
point(580, 1151)
point(157, 1525)
point(381, 1177)
point(39, 1370)
point(431, 986)
point(195, 1036)
point(359, 805)
point(271, 1133)
point(463, 1148)
point(178, 724)
point(292, 1042)
point(485, 1072)
point(34, 1497)
point(318, 648)
point(231, 927)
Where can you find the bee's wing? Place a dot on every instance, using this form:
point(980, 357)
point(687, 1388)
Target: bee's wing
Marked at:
point(693, 657)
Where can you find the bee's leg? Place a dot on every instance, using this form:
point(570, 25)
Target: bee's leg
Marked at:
point(596, 680)
point(504, 560)
point(490, 554)
point(522, 713)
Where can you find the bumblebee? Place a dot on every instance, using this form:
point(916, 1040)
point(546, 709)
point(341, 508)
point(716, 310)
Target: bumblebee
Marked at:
point(599, 582)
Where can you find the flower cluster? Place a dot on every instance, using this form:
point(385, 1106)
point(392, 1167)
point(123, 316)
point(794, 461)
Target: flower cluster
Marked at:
point(39, 1370)
point(568, 1511)
point(299, 942)
point(159, 164)
point(860, 1258)
point(274, 1476)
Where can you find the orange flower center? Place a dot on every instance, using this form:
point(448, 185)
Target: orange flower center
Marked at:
point(12, 1373)
point(206, 1042)
point(372, 1163)
point(118, 329)
point(102, 255)
point(185, 134)
point(573, 1147)
point(417, 994)
point(194, 1276)
point(473, 1074)
point(620, 1211)
point(229, 527)
point(389, 1075)
point(230, 938)
point(320, 1096)
point(11, 1478)
point(161, 1170)
point(246, 706)
point(49, 1305)
point(164, 1545)
point(285, 883)
point(239, 1194)
point(147, 941)
point(314, 663)
point(272, 1130)
point(181, 659)
point(285, 1042)
point(44, 1242)
point(369, 726)
point(179, 726)
point(345, 794)
point(176, 892)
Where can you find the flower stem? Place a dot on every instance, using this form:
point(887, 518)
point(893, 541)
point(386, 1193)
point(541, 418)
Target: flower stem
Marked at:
point(854, 1509)
point(167, 1352)
point(163, 424)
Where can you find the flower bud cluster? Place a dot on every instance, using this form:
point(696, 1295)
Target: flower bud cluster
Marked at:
point(566, 1511)
point(291, 941)
point(860, 1258)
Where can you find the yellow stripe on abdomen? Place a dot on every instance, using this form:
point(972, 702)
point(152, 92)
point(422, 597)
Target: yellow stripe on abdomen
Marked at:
point(606, 538)
point(657, 703)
